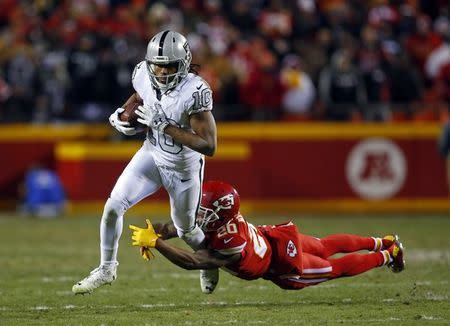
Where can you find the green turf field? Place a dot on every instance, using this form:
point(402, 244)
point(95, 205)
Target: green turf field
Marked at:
point(41, 259)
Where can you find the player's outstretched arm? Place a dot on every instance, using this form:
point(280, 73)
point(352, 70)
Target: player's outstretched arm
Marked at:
point(166, 230)
point(201, 259)
point(204, 140)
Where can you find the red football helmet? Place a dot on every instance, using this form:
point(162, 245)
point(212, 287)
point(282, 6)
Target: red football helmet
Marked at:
point(220, 202)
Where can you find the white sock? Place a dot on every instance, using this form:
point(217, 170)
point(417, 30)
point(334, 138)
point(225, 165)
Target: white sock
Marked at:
point(387, 257)
point(195, 239)
point(378, 244)
point(109, 240)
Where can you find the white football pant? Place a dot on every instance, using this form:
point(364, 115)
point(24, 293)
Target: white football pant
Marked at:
point(142, 178)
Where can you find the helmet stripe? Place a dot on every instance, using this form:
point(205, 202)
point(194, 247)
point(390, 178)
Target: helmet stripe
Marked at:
point(161, 42)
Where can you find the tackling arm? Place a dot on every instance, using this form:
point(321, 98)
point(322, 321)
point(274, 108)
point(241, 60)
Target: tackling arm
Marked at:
point(166, 230)
point(204, 140)
point(201, 259)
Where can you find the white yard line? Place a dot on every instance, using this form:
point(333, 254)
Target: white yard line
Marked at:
point(182, 275)
point(427, 255)
point(55, 279)
point(41, 308)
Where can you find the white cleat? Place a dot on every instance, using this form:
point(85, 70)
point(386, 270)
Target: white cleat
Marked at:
point(208, 280)
point(102, 275)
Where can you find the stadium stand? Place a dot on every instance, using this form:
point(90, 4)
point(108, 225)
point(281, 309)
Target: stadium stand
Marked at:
point(265, 60)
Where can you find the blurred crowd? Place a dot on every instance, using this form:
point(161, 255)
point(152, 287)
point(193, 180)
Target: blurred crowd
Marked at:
point(375, 60)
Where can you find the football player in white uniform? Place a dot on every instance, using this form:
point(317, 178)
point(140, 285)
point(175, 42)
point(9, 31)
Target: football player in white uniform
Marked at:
point(177, 106)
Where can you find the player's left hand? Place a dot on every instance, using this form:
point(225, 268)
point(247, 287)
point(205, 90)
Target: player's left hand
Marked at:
point(144, 237)
point(159, 121)
point(145, 114)
point(153, 117)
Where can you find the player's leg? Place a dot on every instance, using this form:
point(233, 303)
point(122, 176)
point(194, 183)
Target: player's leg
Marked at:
point(139, 179)
point(185, 194)
point(355, 263)
point(184, 190)
point(342, 243)
point(317, 269)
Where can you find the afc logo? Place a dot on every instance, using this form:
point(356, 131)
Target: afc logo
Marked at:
point(376, 168)
point(225, 202)
point(291, 249)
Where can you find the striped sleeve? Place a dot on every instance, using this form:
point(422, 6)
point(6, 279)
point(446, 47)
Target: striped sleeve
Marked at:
point(228, 245)
point(232, 251)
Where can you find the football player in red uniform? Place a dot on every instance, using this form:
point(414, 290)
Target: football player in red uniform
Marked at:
point(279, 253)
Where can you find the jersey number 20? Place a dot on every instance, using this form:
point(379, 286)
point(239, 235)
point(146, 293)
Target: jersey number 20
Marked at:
point(259, 245)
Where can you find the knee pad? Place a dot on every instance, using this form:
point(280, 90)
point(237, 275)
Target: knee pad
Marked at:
point(194, 238)
point(112, 210)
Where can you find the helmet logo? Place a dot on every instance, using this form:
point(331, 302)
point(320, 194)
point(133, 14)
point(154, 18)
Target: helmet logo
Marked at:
point(225, 202)
point(188, 52)
point(291, 250)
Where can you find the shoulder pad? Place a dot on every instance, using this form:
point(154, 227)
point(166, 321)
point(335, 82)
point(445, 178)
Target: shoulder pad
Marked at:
point(198, 94)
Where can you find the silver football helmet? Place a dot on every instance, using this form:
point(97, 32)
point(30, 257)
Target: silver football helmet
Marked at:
point(168, 48)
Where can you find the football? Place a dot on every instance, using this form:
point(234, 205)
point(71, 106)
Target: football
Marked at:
point(129, 114)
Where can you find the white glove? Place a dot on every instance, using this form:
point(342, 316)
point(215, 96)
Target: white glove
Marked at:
point(145, 115)
point(153, 117)
point(122, 126)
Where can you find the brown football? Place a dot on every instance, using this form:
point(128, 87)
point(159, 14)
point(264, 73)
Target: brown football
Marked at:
point(129, 114)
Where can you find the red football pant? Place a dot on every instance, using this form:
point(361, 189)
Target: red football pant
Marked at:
point(336, 243)
point(317, 267)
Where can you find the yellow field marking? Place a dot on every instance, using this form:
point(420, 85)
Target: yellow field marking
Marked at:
point(124, 151)
point(52, 133)
point(330, 131)
point(283, 207)
point(237, 130)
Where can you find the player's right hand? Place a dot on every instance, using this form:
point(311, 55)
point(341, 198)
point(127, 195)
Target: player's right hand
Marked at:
point(122, 126)
point(144, 237)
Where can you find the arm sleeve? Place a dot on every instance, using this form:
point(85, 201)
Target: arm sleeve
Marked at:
point(229, 245)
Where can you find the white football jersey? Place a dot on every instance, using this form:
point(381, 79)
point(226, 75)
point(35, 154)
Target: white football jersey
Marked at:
point(191, 95)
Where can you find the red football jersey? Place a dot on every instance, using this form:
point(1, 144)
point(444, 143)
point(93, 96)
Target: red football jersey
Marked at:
point(286, 254)
point(239, 236)
point(267, 251)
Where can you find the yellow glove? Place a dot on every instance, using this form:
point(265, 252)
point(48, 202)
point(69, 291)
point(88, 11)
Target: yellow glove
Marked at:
point(144, 237)
point(147, 254)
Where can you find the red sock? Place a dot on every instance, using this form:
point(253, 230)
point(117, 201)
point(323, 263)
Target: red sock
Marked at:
point(354, 264)
point(345, 243)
